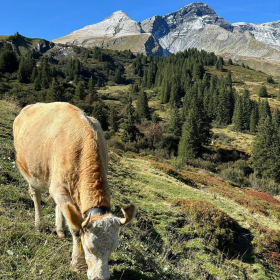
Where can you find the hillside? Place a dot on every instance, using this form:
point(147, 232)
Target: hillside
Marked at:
point(190, 224)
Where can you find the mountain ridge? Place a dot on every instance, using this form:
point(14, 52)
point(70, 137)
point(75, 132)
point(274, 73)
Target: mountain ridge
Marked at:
point(196, 25)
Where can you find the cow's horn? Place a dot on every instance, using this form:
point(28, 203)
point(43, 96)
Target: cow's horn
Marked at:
point(124, 220)
point(85, 223)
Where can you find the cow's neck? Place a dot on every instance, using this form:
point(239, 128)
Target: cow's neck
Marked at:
point(93, 185)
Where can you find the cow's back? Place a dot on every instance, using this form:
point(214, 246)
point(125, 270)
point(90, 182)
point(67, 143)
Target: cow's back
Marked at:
point(48, 139)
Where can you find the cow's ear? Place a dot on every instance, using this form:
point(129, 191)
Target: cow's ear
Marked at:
point(129, 213)
point(73, 216)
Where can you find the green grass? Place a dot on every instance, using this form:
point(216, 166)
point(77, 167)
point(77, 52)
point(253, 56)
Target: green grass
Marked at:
point(163, 241)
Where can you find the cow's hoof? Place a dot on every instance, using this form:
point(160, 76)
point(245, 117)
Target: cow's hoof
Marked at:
point(79, 269)
point(61, 234)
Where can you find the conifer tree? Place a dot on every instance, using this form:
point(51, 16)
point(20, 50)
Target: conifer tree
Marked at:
point(129, 132)
point(55, 92)
point(189, 143)
point(100, 114)
point(247, 108)
point(266, 151)
point(92, 90)
point(254, 119)
point(113, 120)
point(230, 62)
point(175, 123)
point(37, 83)
point(79, 92)
point(263, 91)
point(174, 94)
point(8, 59)
point(276, 119)
point(142, 108)
point(264, 110)
point(237, 118)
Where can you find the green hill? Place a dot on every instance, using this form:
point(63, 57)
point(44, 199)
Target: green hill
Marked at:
point(202, 215)
point(190, 224)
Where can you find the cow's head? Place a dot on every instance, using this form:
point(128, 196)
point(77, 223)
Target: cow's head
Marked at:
point(99, 236)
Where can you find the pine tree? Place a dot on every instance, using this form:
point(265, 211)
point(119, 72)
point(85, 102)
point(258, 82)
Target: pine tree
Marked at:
point(266, 151)
point(262, 91)
point(79, 92)
point(254, 119)
point(174, 94)
point(175, 123)
point(230, 62)
point(189, 143)
point(55, 92)
point(219, 64)
point(237, 118)
point(118, 76)
point(100, 114)
point(264, 110)
point(129, 132)
point(8, 59)
point(37, 83)
point(142, 108)
point(113, 120)
point(276, 119)
point(247, 108)
point(45, 74)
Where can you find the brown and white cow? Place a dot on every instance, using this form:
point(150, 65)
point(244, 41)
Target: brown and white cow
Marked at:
point(60, 149)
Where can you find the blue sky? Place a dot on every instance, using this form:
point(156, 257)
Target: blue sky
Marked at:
point(53, 19)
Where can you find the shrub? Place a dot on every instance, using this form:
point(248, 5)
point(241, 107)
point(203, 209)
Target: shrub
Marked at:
point(264, 185)
point(210, 223)
point(233, 174)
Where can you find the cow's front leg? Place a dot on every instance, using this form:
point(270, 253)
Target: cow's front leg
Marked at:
point(78, 257)
point(61, 198)
point(36, 197)
point(60, 223)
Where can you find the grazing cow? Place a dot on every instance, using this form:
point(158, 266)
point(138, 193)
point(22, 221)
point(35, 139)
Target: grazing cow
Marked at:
point(60, 149)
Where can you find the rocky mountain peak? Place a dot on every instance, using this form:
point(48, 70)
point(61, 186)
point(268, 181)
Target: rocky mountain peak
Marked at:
point(118, 16)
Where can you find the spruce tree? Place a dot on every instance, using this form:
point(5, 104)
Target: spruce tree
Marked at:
point(175, 123)
point(247, 108)
point(55, 92)
point(113, 120)
point(266, 151)
point(100, 113)
point(129, 132)
point(254, 119)
point(189, 143)
point(37, 83)
point(142, 108)
point(237, 118)
point(262, 91)
point(79, 92)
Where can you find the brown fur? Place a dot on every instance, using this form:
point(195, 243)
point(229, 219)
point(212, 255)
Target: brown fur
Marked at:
point(73, 216)
point(57, 147)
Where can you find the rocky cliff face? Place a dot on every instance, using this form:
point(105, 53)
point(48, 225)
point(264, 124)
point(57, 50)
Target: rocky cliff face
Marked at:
point(194, 26)
point(118, 32)
point(268, 33)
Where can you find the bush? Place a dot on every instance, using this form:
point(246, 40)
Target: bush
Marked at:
point(235, 175)
point(203, 164)
point(265, 185)
point(210, 223)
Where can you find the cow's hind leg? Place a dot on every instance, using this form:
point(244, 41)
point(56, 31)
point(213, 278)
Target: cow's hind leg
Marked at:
point(36, 197)
point(60, 223)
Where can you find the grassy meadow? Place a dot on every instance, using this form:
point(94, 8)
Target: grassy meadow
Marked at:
point(191, 223)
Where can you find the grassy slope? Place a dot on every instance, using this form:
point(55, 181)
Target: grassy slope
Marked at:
point(161, 243)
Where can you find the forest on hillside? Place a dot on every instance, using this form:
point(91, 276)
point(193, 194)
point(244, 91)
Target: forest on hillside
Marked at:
point(190, 99)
